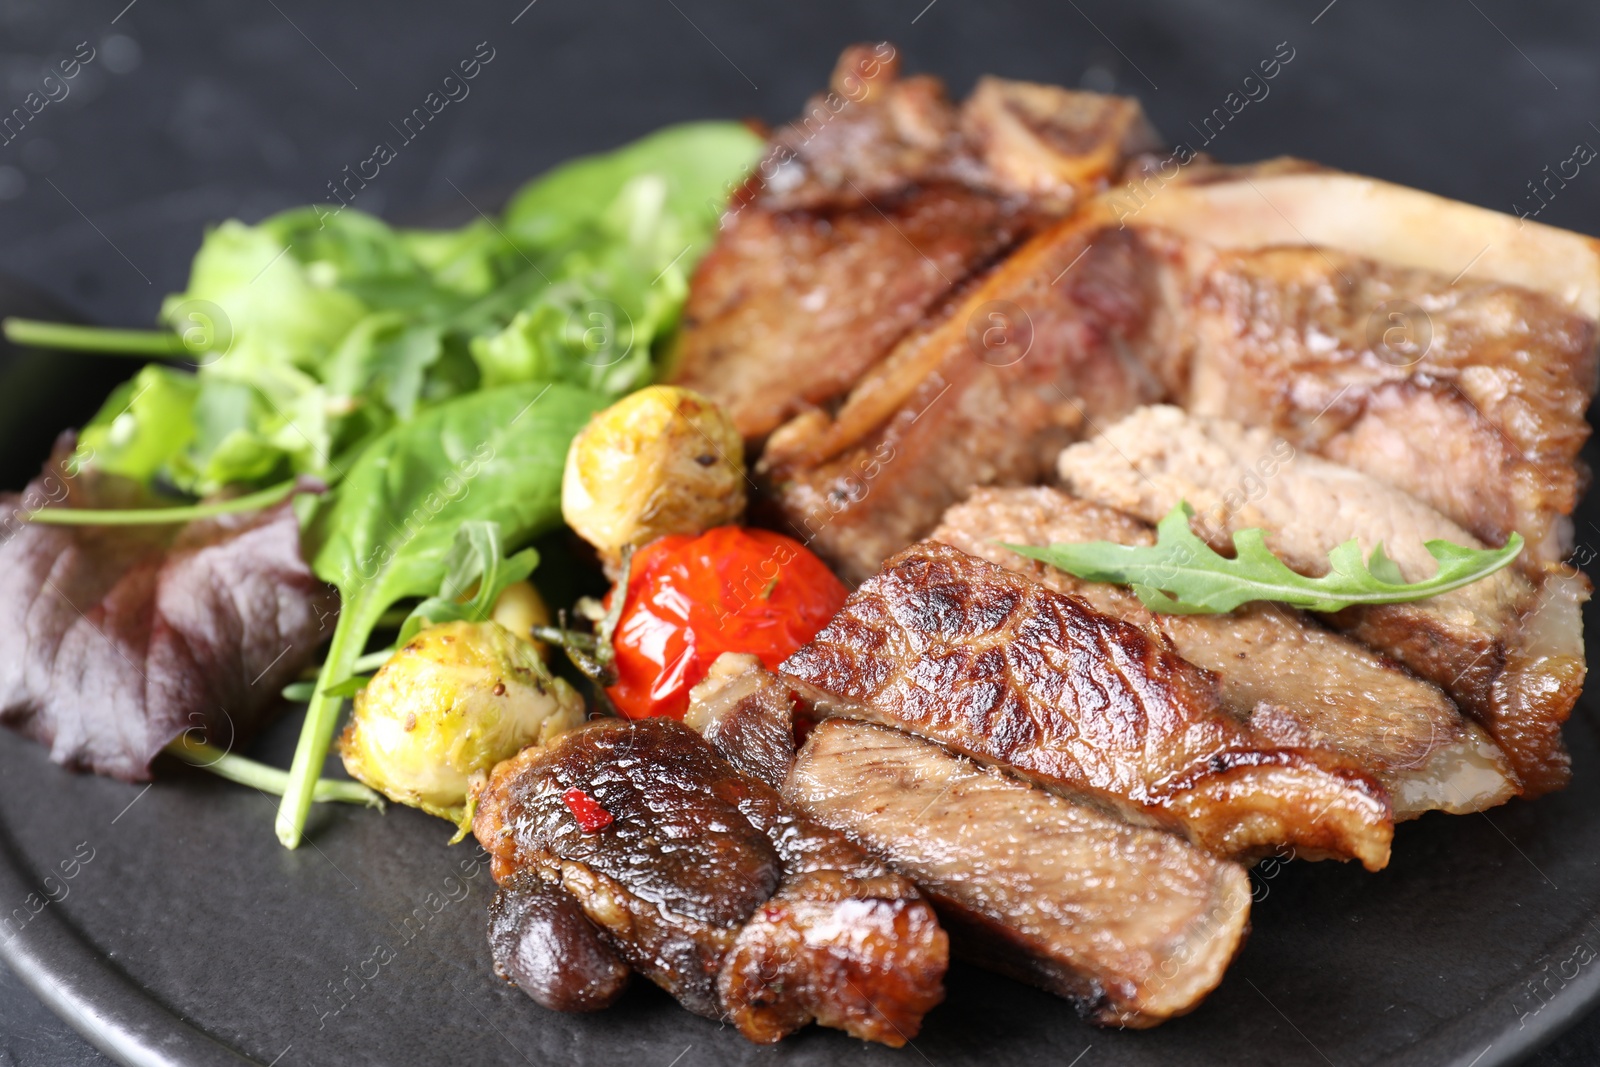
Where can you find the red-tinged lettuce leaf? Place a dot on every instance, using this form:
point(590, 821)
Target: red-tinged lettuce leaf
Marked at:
point(114, 640)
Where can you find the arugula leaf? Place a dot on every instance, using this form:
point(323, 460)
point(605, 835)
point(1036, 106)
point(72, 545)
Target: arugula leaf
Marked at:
point(1182, 575)
point(476, 559)
point(389, 530)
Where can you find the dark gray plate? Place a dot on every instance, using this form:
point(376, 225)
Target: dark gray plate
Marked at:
point(190, 938)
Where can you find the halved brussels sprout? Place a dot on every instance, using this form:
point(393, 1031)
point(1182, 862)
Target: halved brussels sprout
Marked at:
point(456, 700)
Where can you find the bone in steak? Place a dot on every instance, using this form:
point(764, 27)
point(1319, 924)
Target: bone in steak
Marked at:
point(1292, 680)
point(1510, 653)
point(706, 882)
point(869, 210)
point(999, 668)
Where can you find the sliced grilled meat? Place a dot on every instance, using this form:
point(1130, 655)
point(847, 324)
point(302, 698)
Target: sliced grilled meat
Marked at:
point(1510, 654)
point(748, 716)
point(703, 880)
point(1442, 348)
point(1133, 925)
point(1467, 394)
point(1290, 679)
point(981, 396)
point(869, 211)
point(999, 668)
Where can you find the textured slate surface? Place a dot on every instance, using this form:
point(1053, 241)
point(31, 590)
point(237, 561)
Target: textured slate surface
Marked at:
point(191, 114)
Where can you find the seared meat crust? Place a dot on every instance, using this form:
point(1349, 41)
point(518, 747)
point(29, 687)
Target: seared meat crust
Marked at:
point(1290, 679)
point(993, 666)
point(1132, 925)
point(1509, 654)
point(705, 881)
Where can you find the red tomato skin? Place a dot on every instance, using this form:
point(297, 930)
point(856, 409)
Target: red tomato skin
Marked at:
point(692, 598)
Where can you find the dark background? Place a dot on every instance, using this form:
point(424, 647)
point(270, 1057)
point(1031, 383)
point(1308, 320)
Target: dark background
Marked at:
point(191, 113)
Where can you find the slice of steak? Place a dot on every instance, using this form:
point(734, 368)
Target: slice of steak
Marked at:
point(869, 211)
point(748, 716)
point(703, 880)
point(789, 308)
point(1510, 654)
point(1442, 348)
point(1132, 925)
point(991, 665)
point(1064, 330)
point(1468, 394)
point(1289, 678)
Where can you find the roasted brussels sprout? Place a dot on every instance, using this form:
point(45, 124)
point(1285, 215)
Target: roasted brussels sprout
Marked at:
point(456, 700)
point(661, 461)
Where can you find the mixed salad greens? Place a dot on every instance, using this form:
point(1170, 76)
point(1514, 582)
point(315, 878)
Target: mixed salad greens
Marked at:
point(432, 380)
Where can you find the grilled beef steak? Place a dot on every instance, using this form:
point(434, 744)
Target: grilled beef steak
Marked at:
point(1289, 678)
point(870, 209)
point(1509, 653)
point(1441, 348)
point(984, 395)
point(996, 667)
point(703, 880)
point(1133, 925)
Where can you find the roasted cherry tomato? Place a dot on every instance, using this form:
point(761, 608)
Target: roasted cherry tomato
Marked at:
point(690, 599)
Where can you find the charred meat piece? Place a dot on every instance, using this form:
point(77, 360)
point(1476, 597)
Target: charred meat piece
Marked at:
point(868, 212)
point(703, 880)
point(1131, 924)
point(748, 716)
point(1510, 654)
point(991, 665)
point(1292, 680)
point(982, 396)
point(1445, 349)
point(788, 309)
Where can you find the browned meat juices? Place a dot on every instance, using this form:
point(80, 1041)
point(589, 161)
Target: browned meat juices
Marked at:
point(991, 665)
point(634, 846)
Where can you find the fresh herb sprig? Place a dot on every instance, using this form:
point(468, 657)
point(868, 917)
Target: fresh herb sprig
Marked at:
point(1182, 575)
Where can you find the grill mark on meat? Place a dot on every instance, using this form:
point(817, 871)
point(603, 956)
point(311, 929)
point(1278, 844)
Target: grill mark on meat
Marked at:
point(1132, 925)
point(996, 667)
point(1509, 654)
point(708, 883)
point(1291, 680)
